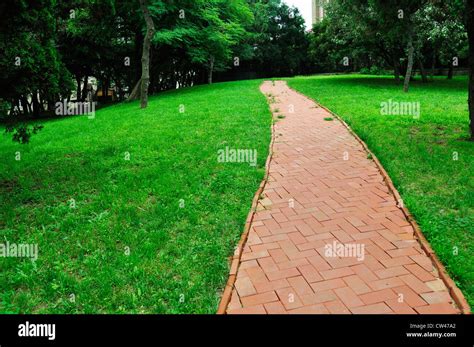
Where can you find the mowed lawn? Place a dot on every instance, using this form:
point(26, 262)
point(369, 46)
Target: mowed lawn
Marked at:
point(419, 154)
point(151, 234)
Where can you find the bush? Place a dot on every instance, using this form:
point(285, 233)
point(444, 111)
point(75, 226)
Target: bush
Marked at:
point(373, 70)
point(4, 108)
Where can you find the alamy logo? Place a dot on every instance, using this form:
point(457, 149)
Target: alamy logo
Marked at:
point(20, 250)
point(348, 250)
point(77, 108)
point(400, 108)
point(230, 155)
point(37, 330)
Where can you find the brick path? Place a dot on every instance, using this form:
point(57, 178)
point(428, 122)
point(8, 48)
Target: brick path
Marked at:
point(324, 194)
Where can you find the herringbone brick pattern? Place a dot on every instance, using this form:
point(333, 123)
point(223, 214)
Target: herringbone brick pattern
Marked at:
point(328, 236)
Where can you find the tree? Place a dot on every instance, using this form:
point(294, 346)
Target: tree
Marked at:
point(59, 45)
point(394, 31)
point(279, 39)
point(323, 51)
point(33, 73)
point(220, 28)
point(194, 37)
point(411, 53)
point(98, 38)
point(352, 35)
point(470, 32)
point(442, 33)
point(404, 19)
point(150, 31)
point(367, 33)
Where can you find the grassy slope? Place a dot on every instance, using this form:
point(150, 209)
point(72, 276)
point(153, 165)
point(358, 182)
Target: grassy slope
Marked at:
point(418, 154)
point(178, 256)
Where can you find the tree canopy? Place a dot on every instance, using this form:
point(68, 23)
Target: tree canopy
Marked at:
point(51, 49)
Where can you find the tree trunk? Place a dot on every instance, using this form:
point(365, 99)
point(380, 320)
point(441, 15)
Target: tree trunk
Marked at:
point(211, 69)
point(396, 70)
point(84, 88)
point(25, 105)
point(136, 91)
point(104, 91)
point(34, 98)
point(411, 51)
point(30, 106)
point(433, 65)
point(41, 103)
point(51, 105)
point(424, 76)
point(118, 85)
point(470, 33)
point(150, 31)
point(78, 90)
point(450, 71)
point(12, 107)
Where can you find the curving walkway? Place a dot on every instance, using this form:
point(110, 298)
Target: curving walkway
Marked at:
point(328, 236)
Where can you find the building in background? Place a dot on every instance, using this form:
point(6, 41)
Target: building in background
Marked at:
point(318, 10)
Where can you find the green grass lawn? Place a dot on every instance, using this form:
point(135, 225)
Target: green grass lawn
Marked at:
point(147, 235)
point(417, 153)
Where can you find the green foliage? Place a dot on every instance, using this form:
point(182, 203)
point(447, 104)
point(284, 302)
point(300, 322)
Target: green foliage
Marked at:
point(376, 33)
point(5, 107)
point(61, 42)
point(323, 52)
point(30, 63)
point(279, 39)
point(61, 45)
point(219, 30)
point(443, 30)
point(373, 70)
point(22, 132)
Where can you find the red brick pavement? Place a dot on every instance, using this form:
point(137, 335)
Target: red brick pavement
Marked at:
point(325, 195)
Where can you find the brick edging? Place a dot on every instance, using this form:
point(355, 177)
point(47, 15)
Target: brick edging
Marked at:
point(454, 291)
point(226, 295)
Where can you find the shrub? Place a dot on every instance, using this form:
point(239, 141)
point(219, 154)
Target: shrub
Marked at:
point(373, 70)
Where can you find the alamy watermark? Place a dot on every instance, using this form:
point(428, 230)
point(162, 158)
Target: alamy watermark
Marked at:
point(28, 329)
point(348, 250)
point(63, 108)
point(400, 108)
point(232, 155)
point(19, 250)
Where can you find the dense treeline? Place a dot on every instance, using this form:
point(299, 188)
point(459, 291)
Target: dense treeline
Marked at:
point(50, 48)
point(391, 34)
point(408, 37)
